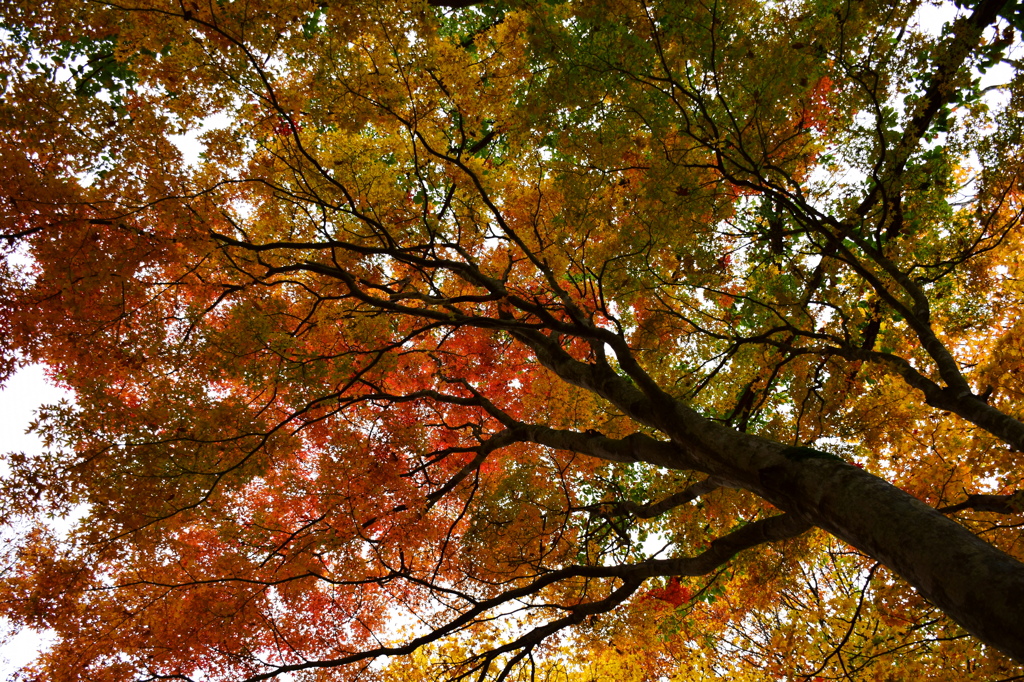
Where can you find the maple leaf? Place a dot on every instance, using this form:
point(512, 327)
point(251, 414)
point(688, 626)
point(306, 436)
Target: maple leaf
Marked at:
point(490, 338)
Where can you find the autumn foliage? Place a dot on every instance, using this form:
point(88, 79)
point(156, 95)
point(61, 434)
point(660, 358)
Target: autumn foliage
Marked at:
point(590, 340)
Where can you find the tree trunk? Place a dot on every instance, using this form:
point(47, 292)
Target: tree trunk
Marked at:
point(974, 583)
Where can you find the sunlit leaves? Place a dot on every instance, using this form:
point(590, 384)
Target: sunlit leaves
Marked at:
point(370, 379)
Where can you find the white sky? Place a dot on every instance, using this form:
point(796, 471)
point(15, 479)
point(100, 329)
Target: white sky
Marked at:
point(19, 399)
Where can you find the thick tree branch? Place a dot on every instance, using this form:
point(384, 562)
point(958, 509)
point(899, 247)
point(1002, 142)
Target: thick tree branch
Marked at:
point(953, 54)
point(772, 529)
point(999, 504)
point(655, 509)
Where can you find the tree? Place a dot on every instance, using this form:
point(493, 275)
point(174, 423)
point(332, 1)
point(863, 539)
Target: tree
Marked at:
point(603, 339)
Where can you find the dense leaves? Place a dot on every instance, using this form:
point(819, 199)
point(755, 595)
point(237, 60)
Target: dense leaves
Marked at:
point(588, 340)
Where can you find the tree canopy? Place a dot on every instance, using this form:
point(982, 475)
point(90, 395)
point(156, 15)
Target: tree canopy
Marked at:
point(570, 340)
